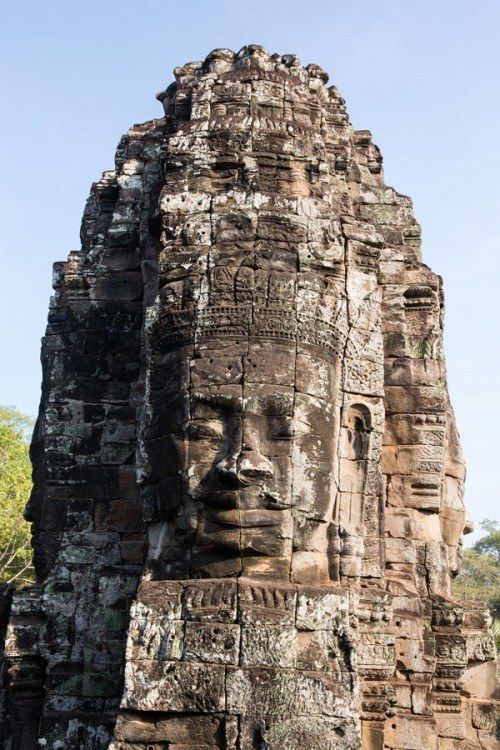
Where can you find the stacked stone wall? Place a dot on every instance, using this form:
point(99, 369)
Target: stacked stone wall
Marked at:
point(248, 501)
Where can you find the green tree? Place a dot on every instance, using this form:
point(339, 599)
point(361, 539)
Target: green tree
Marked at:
point(480, 574)
point(15, 486)
point(490, 543)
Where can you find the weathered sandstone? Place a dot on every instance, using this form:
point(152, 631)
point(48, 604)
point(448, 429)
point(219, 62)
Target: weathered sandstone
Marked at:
point(248, 502)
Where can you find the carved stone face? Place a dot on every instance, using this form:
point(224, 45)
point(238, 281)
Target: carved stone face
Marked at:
point(246, 467)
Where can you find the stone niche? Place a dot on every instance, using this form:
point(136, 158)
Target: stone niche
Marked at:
point(248, 500)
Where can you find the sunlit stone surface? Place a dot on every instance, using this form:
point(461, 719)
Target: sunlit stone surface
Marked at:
point(248, 480)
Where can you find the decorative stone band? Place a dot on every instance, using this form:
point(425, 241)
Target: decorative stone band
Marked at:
point(172, 328)
point(250, 659)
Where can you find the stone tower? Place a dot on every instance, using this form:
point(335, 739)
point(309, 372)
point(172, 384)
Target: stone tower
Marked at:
point(247, 509)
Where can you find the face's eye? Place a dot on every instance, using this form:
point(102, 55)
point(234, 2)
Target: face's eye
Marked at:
point(204, 430)
point(281, 428)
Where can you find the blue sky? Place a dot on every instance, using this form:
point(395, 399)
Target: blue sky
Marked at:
point(422, 75)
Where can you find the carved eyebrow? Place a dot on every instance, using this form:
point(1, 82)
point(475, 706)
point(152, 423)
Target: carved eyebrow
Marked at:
point(271, 405)
point(204, 429)
point(222, 400)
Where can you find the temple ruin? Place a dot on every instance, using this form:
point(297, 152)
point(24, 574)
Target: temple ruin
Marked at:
point(248, 484)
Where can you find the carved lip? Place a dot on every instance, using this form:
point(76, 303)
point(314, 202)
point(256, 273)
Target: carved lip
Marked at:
point(259, 498)
point(247, 518)
point(218, 499)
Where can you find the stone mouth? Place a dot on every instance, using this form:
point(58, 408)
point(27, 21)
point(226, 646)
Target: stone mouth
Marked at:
point(247, 518)
point(246, 498)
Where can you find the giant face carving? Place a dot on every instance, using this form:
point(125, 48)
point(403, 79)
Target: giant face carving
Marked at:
point(242, 447)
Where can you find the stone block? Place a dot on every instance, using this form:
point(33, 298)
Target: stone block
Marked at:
point(178, 687)
point(189, 730)
point(257, 691)
point(376, 650)
point(218, 643)
point(300, 733)
point(266, 602)
point(153, 636)
point(479, 680)
point(421, 697)
point(484, 716)
point(318, 650)
point(321, 609)
point(309, 567)
point(268, 645)
point(412, 656)
point(450, 725)
point(211, 601)
point(410, 733)
point(400, 551)
point(480, 646)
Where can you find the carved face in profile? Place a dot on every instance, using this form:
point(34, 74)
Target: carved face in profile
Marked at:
point(243, 456)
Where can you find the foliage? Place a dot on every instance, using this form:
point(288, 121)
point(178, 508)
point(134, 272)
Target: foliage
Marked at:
point(15, 486)
point(490, 543)
point(480, 574)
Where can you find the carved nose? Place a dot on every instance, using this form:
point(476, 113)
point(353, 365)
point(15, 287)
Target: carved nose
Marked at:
point(30, 510)
point(227, 470)
point(248, 466)
point(253, 465)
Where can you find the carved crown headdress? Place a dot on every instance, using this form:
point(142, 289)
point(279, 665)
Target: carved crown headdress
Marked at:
point(234, 303)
